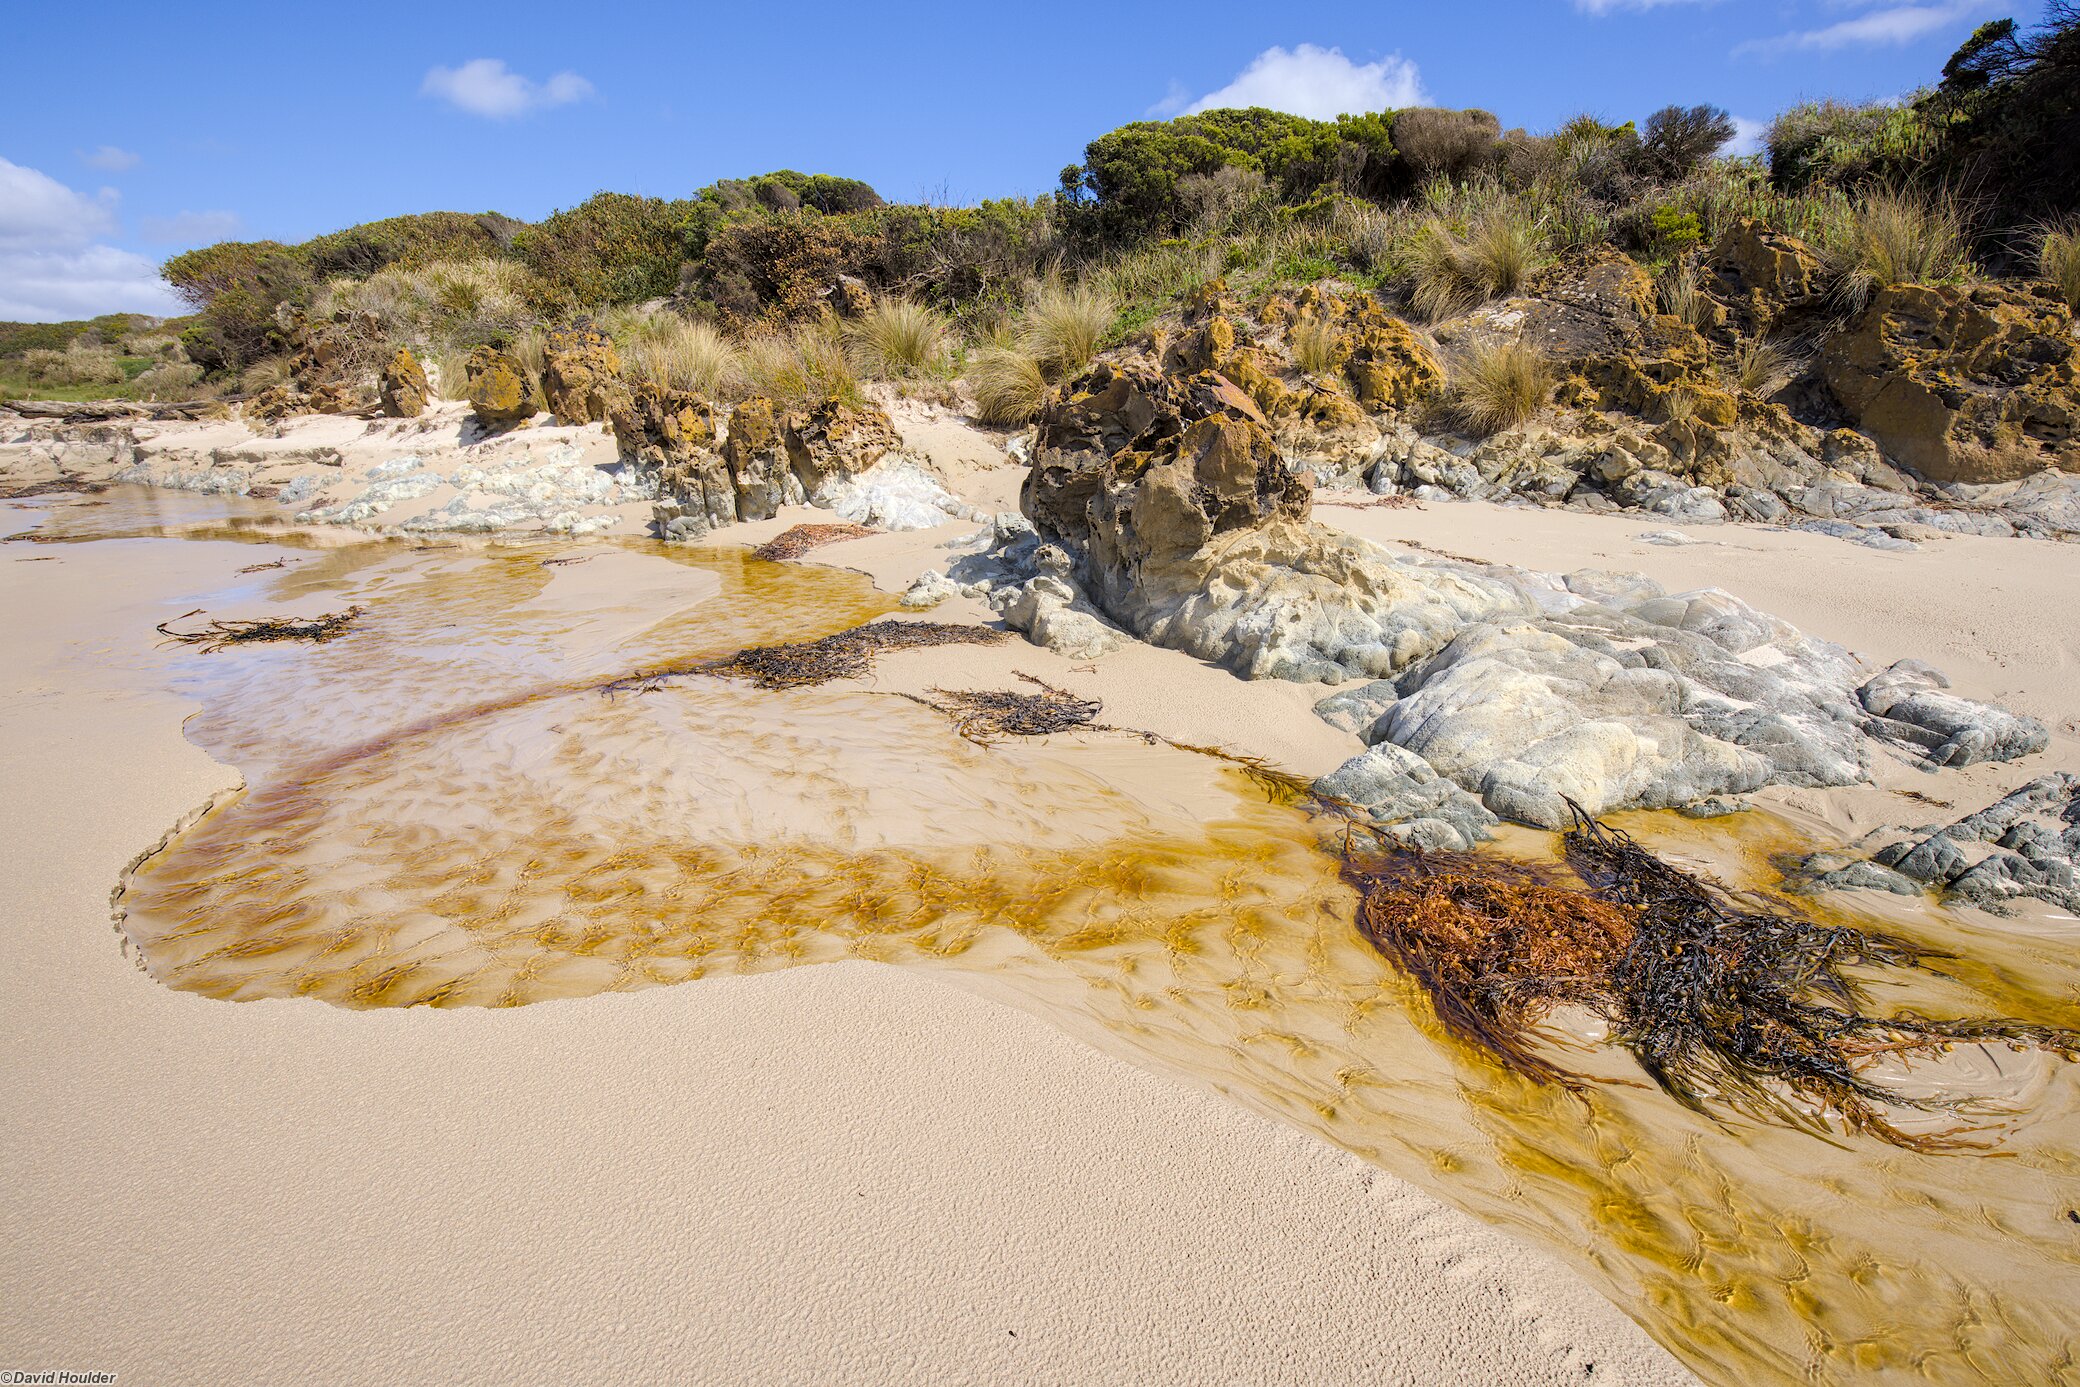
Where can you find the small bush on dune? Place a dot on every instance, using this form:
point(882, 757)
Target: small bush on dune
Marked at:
point(1501, 387)
point(1008, 386)
point(168, 380)
point(896, 338)
point(1679, 139)
point(1064, 325)
point(2058, 260)
point(1432, 141)
point(78, 364)
point(1900, 238)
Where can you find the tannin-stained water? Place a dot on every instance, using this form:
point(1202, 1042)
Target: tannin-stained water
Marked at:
point(444, 808)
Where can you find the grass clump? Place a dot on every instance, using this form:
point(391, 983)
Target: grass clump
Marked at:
point(1679, 292)
point(1064, 325)
point(1900, 238)
point(1454, 273)
point(1317, 347)
point(1760, 366)
point(1008, 385)
point(895, 338)
point(1501, 387)
point(680, 354)
point(2058, 260)
point(801, 367)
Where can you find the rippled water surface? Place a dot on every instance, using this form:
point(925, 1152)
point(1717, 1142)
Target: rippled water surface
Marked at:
point(445, 809)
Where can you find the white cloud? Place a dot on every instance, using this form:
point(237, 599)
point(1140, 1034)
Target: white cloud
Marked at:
point(110, 159)
point(1747, 136)
point(485, 87)
point(1319, 83)
point(1604, 7)
point(190, 228)
point(38, 210)
point(54, 286)
point(51, 266)
point(1894, 24)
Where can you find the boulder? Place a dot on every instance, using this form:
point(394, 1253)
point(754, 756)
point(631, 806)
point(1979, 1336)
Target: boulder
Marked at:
point(1972, 384)
point(674, 432)
point(403, 387)
point(1391, 368)
point(1909, 704)
point(1761, 275)
point(834, 442)
point(1400, 789)
point(500, 391)
point(756, 452)
point(581, 375)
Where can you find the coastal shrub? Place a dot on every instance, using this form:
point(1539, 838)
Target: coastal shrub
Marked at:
point(78, 364)
point(1674, 230)
point(410, 241)
point(1900, 238)
point(895, 338)
point(779, 267)
point(1064, 325)
point(167, 380)
point(1830, 143)
point(2008, 116)
point(1129, 186)
point(1680, 139)
point(1433, 142)
point(1500, 387)
point(236, 288)
point(1007, 384)
point(612, 248)
point(2058, 260)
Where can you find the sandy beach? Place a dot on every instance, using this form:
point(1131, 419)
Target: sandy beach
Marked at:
point(849, 1172)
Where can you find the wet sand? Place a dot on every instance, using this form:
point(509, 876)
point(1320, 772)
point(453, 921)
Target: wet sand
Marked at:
point(845, 1172)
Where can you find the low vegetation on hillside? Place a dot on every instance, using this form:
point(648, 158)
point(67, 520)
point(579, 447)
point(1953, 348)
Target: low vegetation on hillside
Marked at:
point(734, 289)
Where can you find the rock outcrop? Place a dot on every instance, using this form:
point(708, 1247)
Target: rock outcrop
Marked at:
point(2026, 844)
point(1758, 277)
point(673, 432)
point(581, 375)
point(1972, 384)
point(402, 386)
point(501, 392)
point(833, 442)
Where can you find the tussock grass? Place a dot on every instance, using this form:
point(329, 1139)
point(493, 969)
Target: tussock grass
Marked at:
point(1501, 387)
point(683, 355)
point(1374, 240)
point(802, 367)
point(1760, 366)
point(895, 338)
point(1455, 273)
point(2058, 260)
point(1064, 325)
point(1680, 295)
point(1008, 385)
point(1900, 238)
point(1316, 347)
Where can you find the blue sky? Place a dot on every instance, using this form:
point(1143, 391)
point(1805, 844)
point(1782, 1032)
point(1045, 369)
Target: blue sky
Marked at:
point(135, 130)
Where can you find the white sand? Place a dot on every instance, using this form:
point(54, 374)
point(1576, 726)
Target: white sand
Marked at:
point(844, 1173)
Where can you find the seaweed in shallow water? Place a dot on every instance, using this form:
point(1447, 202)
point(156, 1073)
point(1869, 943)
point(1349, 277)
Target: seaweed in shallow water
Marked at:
point(1722, 1006)
point(990, 715)
point(847, 655)
point(218, 634)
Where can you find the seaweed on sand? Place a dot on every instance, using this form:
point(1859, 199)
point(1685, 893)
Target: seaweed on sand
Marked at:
point(218, 634)
point(845, 655)
point(1722, 1005)
point(990, 715)
point(792, 544)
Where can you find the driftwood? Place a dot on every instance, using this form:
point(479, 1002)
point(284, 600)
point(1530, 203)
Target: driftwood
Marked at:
point(102, 411)
point(218, 634)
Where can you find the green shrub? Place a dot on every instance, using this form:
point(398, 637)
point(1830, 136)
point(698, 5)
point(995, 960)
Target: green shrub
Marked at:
point(612, 248)
point(1829, 144)
point(237, 288)
point(411, 241)
point(779, 267)
point(1674, 230)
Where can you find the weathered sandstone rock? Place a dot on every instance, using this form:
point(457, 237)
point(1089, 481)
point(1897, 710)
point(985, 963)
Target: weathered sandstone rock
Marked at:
point(500, 390)
point(581, 375)
point(403, 386)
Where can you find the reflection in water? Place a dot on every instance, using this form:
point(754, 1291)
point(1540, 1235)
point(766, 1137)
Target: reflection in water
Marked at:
point(445, 810)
